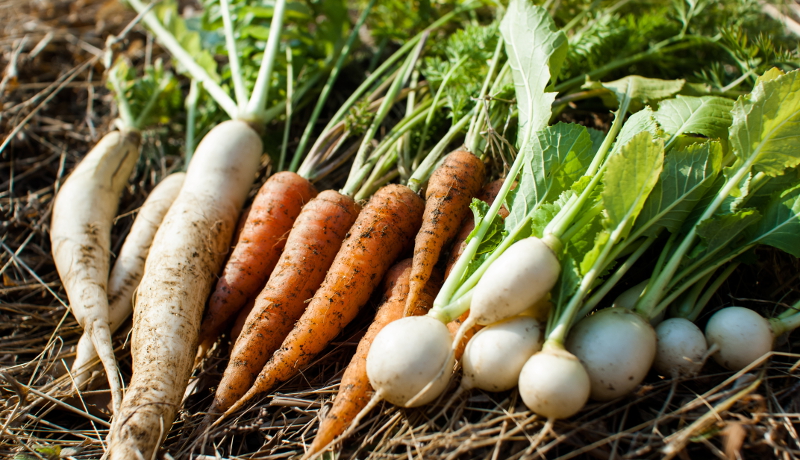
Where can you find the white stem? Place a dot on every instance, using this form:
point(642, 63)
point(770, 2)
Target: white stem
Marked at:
point(239, 87)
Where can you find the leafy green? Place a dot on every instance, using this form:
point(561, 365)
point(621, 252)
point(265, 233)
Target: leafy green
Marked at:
point(531, 40)
point(686, 177)
point(493, 237)
point(558, 156)
point(641, 121)
point(709, 116)
point(780, 225)
point(718, 231)
point(642, 91)
point(766, 126)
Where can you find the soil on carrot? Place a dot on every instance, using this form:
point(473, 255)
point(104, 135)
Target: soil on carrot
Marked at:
point(55, 106)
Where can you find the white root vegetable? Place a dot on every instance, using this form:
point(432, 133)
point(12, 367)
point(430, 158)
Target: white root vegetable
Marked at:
point(494, 357)
point(186, 255)
point(128, 269)
point(628, 300)
point(741, 334)
point(554, 384)
point(681, 348)
point(524, 274)
point(617, 348)
point(395, 369)
point(80, 236)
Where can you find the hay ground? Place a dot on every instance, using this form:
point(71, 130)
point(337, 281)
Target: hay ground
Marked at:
point(55, 106)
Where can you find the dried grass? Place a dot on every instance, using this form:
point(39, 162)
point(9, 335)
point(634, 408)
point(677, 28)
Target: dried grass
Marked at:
point(55, 105)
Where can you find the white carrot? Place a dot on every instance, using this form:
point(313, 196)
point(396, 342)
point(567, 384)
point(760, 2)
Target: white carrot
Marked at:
point(128, 269)
point(80, 236)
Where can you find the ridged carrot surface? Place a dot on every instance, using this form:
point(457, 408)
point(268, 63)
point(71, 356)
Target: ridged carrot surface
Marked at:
point(257, 250)
point(384, 229)
point(450, 190)
point(315, 239)
point(354, 389)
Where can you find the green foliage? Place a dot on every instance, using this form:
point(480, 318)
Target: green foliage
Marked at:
point(156, 88)
point(780, 225)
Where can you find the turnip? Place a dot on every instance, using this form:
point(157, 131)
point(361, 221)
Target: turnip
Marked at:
point(495, 355)
point(681, 348)
point(617, 348)
point(741, 334)
point(394, 367)
point(553, 383)
point(129, 268)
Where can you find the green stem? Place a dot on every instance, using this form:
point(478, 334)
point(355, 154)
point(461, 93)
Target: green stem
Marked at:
point(424, 171)
point(125, 111)
point(191, 116)
point(198, 73)
point(256, 106)
point(326, 90)
point(239, 88)
point(687, 302)
point(709, 292)
point(614, 279)
point(585, 219)
point(784, 324)
point(473, 138)
point(358, 172)
point(289, 104)
point(404, 167)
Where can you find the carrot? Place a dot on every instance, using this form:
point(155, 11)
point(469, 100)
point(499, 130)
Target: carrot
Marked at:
point(238, 323)
point(487, 195)
point(310, 249)
point(259, 246)
point(187, 253)
point(450, 190)
point(80, 237)
point(383, 230)
point(128, 269)
point(354, 389)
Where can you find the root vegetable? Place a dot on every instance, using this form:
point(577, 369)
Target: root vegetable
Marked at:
point(553, 383)
point(741, 334)
point(681, 348)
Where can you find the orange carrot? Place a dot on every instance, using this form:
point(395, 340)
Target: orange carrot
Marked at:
point(260, 243)
point(354, 389)
point(238, 323)
point(450, 190)
point(487, 195)
point(383, 230)
point(315, 239)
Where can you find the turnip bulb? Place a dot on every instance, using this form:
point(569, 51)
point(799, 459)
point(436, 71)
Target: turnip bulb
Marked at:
point(617, 348)
point(524, 274)
point(741, 334)
point(681, 348)
point(554, 384)
point(406, 356)
point(494, 357)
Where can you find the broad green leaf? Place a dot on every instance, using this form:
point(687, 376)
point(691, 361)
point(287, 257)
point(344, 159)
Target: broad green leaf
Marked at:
point(642, 91)
point(641, 121)
point(770, 74)
point(600, 241)
point(762, 193)
point(494, 236)
point(546, 212)
point(780, 226)
point(584, 238)
point(709, 116)
point(532, 40)
point(630, 175)
point(687, 175)
point(566, 285)
point(717, 232)
point(555, 158)
point(766, 126)
point(597, 139)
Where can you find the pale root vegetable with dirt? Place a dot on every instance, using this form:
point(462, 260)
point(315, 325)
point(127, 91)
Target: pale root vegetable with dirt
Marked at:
point(741, 334)
point(681, 348)
point(494, 357)
point(394, 367)
point(553, 383)
point(80, 236)
point(617, 347)
point(129, 268)
point(187, 253)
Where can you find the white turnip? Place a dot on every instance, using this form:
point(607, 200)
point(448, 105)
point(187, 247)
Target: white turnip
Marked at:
point(741, 334)
point(553, 383)
point(681, 348)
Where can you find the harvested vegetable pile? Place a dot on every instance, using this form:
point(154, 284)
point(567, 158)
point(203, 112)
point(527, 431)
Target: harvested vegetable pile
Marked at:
point(266, 176)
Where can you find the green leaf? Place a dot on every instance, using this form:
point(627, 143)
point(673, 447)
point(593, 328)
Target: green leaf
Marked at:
point(600, 241)
point(642, 91)
point(491, 240)
point(554, 159)
point(546, 212)
point(687, 175)
point(630, 175)
point(532, 39)
point(717, 232)
point(709, 116)
point(766, 126)
point(641, 121)
point(780, 226)
point(566, 285)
